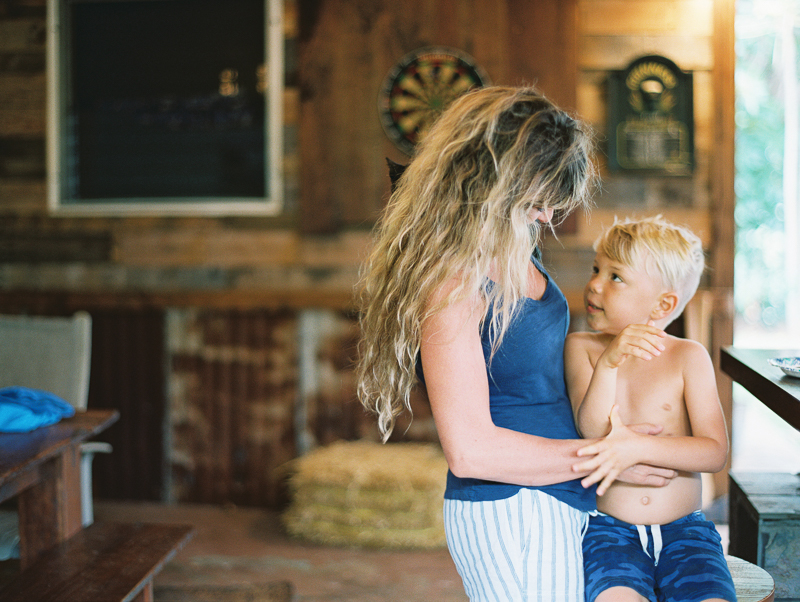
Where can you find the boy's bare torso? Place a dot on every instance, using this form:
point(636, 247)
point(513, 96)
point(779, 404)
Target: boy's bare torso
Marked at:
point(650, 392)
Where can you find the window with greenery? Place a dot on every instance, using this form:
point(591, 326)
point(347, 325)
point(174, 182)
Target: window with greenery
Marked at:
point(767, 264)
point(766, 269)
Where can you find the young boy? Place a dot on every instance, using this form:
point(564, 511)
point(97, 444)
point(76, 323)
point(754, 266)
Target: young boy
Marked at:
point(647, 543)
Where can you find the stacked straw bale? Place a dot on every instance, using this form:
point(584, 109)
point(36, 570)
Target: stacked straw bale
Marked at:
point(365, 494)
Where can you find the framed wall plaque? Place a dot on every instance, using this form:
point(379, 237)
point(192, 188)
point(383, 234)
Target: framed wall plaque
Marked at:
point(165, 107)
point(651, 118)
point(419, 87)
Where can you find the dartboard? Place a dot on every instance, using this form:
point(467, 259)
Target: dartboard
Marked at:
point(420, 87)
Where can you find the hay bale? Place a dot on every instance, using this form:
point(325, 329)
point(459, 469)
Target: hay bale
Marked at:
point(365, 494)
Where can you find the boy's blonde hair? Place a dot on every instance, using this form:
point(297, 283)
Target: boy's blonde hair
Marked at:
point(460, 208)
point(675, 252)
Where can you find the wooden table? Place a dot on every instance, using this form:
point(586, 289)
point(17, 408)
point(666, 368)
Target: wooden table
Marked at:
point(751, 369)
point(764, 507)
point(42, 469)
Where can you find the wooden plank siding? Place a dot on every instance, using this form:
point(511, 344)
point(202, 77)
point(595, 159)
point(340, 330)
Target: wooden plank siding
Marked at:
point(698, 36)
point(689, 18)
point(233, 385)
point(348, 47)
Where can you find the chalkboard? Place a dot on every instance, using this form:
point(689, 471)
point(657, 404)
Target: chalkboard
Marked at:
point(166, 106)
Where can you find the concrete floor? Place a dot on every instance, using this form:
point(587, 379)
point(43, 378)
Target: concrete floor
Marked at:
point(241, 546)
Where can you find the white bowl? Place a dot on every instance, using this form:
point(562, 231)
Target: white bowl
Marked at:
point(789, 365)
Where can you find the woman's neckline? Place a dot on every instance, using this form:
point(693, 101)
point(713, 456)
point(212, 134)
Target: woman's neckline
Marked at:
point(534, 269)
point(540, 278)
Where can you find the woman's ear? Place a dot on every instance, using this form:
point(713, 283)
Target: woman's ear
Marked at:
point(666, 304)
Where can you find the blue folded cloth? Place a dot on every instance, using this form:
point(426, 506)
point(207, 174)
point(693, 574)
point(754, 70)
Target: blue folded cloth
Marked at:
point(23, 409)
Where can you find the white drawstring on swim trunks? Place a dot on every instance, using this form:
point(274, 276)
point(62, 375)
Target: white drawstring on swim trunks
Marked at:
point(657, 543)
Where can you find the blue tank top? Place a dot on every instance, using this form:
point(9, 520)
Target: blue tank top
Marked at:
point(527, 392)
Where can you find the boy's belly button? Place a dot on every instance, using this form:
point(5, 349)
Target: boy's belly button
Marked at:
point(645, 500)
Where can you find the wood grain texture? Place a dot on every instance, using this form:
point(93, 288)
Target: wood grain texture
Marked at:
point(723, 169)
point(621, 17)
point(348, 47)
point(751, 369)
point(106, 562)
point(753, 584)
point(42, 468)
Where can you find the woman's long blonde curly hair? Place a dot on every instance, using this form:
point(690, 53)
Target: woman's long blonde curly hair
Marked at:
point(459, 211)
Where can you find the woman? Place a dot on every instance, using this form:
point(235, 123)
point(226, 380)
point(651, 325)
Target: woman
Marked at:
point(453, 294)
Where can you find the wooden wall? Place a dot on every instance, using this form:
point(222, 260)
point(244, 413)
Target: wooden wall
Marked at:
point(612, 33)
point(267, 275)
point(698, 35)
point(348, 46)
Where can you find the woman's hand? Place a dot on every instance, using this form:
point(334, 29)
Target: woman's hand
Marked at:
point(644, 474)
point(612, 455)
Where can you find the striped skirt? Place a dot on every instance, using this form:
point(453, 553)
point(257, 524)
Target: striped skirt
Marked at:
point(523, 548)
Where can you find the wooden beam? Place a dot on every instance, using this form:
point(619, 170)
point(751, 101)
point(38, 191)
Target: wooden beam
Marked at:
point(723, 169)
point(66, 302)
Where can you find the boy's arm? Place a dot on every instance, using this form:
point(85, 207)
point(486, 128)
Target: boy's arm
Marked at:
point(591, 392)
point(705, 450)
point(593, 389)
point(706, 418)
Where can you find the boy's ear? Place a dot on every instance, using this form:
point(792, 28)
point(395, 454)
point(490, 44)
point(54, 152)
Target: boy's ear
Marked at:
point(666, 304)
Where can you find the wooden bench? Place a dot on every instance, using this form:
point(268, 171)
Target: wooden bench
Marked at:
point(105, 562)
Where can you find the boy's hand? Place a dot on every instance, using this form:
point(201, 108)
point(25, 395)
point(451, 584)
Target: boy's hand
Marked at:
point(613, 454)
point(637, 340)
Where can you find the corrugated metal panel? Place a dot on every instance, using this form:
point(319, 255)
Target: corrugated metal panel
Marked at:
point(232, 390)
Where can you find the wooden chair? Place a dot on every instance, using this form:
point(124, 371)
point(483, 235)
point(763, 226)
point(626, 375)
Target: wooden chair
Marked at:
point(53, 354)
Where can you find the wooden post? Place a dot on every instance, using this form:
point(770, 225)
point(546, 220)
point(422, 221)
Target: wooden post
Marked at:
point(724, 200)
point(56, 494)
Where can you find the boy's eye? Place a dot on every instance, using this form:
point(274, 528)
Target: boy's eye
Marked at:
point(595, 270)
point(616, 278)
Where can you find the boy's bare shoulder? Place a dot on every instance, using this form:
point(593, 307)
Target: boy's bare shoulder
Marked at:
point(689, 351)
point(685, 346)
point(581, 337)
point(587, 340)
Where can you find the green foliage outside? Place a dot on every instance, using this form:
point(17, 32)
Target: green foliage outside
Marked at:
point(760, 289)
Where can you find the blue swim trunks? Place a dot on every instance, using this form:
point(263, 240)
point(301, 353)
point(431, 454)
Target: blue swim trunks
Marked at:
point(681, 561)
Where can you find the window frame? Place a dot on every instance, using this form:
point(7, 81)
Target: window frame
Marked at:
point(62, 204)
